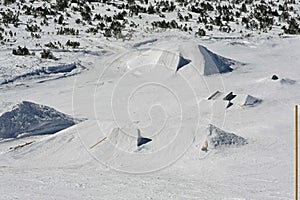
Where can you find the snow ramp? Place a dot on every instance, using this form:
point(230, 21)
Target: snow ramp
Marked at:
point(27, 119)
point(213, 63)
point(175, 56)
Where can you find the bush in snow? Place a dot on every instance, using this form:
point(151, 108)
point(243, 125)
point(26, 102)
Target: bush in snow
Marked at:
point(62, 4)
point(51, 45)
point(293, 27)
point(21, 51)
point(9, 17)
point(33, 28)
point(7, 2)
point(73, 44)
point(47, 54)
point(200, 32)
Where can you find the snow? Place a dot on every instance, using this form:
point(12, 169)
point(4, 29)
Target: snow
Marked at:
point(287, 81)
point(219, 138)
point(27, 119)
point(245, 101)
point(214, 64)
point(63, 165)
point(252, 101)
point(120, 86)
point(45, 73)
point(182, 62)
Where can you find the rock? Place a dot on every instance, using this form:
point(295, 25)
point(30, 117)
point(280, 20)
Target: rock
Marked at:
point(274, 77)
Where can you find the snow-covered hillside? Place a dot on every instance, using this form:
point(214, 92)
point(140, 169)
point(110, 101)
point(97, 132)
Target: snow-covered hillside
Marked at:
point(220, 122)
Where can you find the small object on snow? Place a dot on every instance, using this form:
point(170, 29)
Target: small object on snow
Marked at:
point(98, 142)
point(229, 104)
point(274, 77)
point(205, 146)
point(214, 95)
point(142, 140)
point(229, 97)
point(21, 145)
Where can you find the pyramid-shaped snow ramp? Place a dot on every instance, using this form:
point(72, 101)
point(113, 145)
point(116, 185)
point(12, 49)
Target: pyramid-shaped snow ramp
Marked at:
point(182, 62)
point(213, 63)
point(173, 60)
point(142, 140)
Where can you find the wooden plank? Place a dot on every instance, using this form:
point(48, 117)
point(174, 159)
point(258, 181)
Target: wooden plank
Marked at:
point(22, 145)
point(98, 142)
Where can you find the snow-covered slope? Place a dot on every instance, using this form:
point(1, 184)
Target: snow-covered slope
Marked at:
point(158, 82)
point(133, 89)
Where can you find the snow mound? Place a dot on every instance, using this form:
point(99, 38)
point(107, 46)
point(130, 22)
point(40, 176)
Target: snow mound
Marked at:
point(174, 56)
point(218, 137)
point(60, 69)
point(287, 81)
point(185, 52)
point(213, 63)
point(27, 119)
point(252, 101)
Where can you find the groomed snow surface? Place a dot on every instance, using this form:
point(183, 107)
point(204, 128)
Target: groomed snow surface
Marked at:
point(159, 85)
